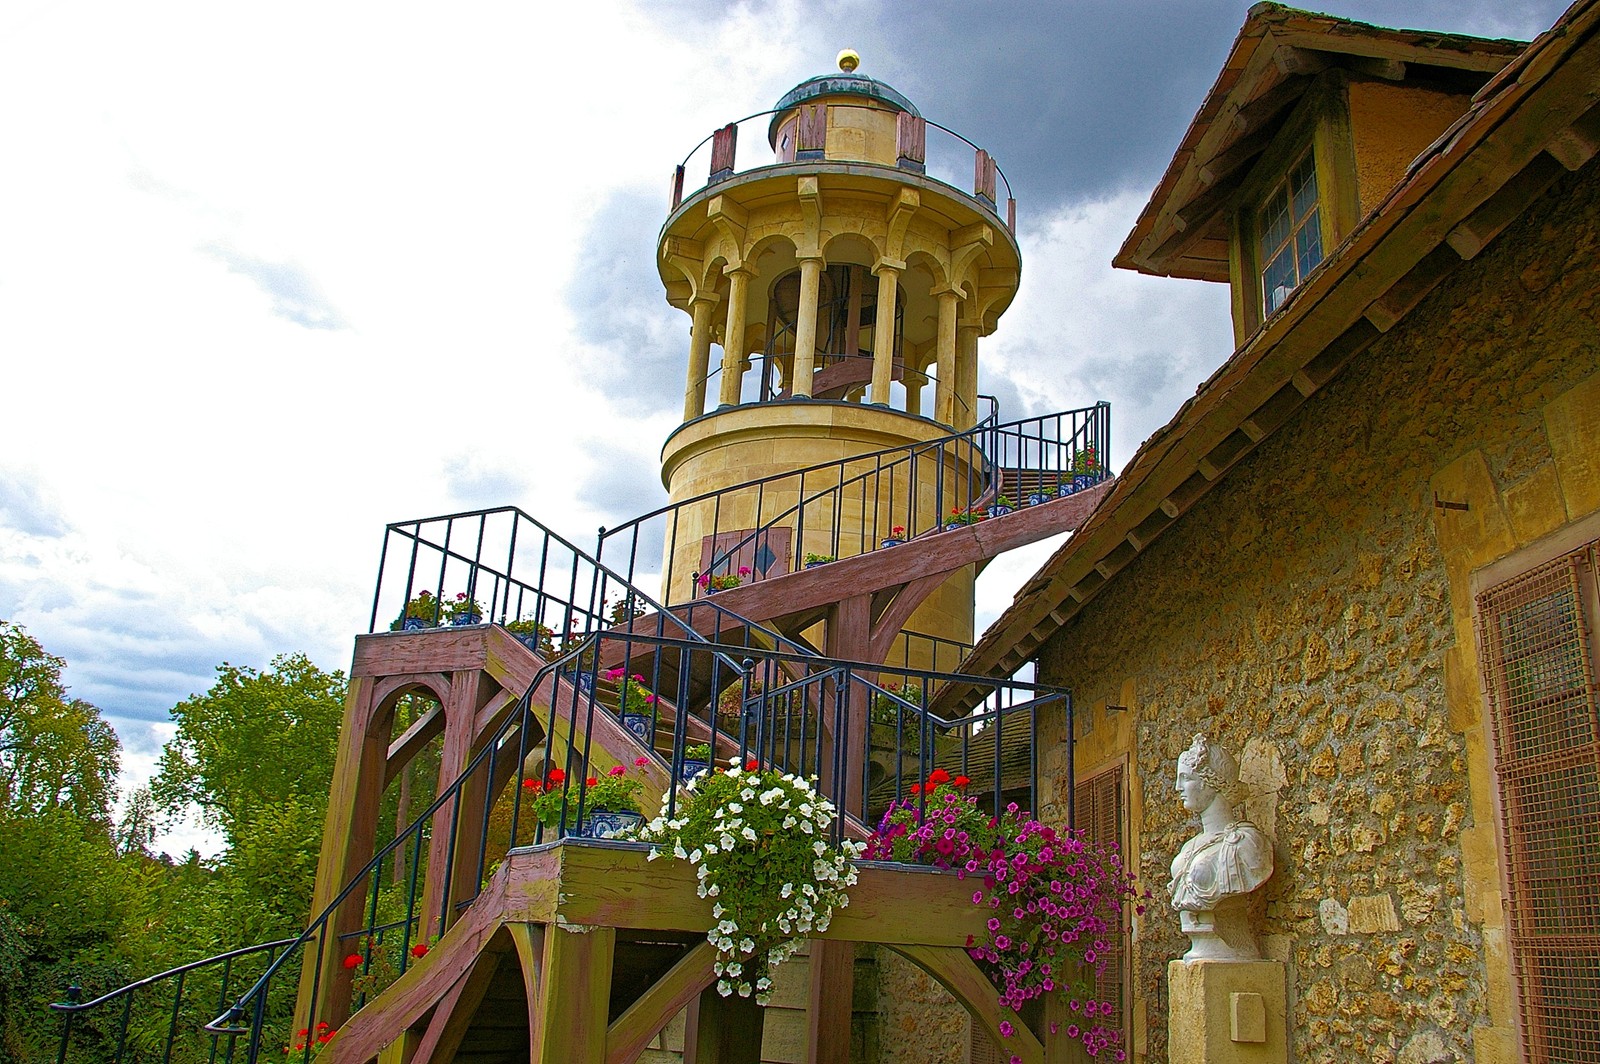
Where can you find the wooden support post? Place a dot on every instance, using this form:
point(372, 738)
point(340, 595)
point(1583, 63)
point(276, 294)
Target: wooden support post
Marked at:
point(850, 638)
point(723, 1030)
point(460, 715)
point(833, 969)
point(574, 996)
point(347, 845)
point(724, 143)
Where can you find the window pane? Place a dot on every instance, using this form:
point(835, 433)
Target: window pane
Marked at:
point(1274, 224)
point(1304, 184)
point(1308, 246)
point(1277, 280)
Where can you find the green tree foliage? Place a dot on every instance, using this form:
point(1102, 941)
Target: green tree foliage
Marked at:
point(252, 743)
point(55, 751)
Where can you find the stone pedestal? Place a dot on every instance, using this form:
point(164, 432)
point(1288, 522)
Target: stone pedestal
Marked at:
point(1226, 1012)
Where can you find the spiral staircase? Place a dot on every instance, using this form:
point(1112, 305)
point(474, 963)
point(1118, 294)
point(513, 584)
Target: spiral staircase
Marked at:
point(475, 933)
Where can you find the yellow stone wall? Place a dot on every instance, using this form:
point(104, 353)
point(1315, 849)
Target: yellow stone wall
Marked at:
point(1313, 613)
point(750, 442)
point(1390, 125)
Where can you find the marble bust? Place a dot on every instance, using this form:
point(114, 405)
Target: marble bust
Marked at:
point(1216, 870)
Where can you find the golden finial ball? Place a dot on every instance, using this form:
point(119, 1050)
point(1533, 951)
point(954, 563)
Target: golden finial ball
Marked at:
point(849, 59)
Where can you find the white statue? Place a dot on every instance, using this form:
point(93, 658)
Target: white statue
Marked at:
point(1216, 870)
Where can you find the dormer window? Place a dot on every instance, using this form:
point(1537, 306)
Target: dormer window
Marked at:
point(1290, 233)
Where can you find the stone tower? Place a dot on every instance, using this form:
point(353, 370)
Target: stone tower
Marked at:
point(845, 290)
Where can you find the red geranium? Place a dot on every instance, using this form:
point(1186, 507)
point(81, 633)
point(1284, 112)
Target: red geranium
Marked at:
point(352, 961)
point(420, 949)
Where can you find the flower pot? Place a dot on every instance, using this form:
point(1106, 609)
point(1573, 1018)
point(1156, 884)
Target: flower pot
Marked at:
point(692, 768)
point(998, 511)
point(639, 724)
point(531, 642)
point(606, 824)
point(813, 565)
point(1082, 480)
point(416, 624)
point(951, 525)
point(465, 619)
point(1064, 489)
point(891, 542)
point(1036, 498)
point(711, 590)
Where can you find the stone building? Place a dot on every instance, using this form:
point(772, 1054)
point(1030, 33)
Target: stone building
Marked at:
point(1364, 556)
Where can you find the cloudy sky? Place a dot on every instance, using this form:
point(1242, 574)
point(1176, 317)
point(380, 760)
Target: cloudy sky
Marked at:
point(272, 276)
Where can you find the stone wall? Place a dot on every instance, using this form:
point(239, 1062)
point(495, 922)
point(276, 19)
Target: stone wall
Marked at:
point(1311, 613)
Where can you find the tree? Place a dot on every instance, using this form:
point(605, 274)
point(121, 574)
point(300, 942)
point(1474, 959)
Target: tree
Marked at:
point(55, 751)
point(253, 742)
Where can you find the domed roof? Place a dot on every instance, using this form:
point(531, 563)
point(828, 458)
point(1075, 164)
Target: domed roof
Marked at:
point(839, 83)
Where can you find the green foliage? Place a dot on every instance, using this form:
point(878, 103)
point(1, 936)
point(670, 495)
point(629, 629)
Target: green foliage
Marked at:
point(55, 751)
point(253, 741)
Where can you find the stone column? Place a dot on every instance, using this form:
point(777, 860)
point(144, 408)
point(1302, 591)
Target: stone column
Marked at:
point(914, 381)
point(966, 374)
point(883, 335)
point(944, 393)
point(733, 360)
point(805, 329)
point(694, 394)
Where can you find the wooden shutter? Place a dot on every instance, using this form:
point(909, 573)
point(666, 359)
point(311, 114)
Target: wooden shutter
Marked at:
point(1099, 810)
point(1536, 642)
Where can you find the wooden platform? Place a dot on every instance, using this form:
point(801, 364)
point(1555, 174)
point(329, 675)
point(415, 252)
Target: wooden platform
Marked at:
point(581, 951)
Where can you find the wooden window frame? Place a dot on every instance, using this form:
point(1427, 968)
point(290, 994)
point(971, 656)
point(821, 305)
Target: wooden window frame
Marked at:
point(1320, 123)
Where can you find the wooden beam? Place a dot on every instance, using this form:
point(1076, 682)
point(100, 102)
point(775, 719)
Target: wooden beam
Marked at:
point(1574, 146)
point(1474, 232)
point(574, 994)
point(960, 975)
point(629, 1033)
point(453, 1014)
point(833, 970)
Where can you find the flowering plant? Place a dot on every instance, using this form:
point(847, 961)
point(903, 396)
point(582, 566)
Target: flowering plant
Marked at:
point(1055, 899)
point(632, 695)
point(714, 582)
point(542, 634)
point(424, 607)
point(1004, 500)
point(758, 840)
point(1085, 462)
point(819, 559)
point(626, 609)
point(317, 1038)
point(463, 609)
point(554, 797)
point(960, 515)
point(897, 532)
point(886, 710)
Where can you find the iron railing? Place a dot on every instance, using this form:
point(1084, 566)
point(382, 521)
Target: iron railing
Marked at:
point(851, 506)
point(159, 1017)
point(944, 160)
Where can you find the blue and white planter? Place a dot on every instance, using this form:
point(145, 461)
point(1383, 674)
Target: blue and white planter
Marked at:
point(639, 724)
point(606, 824)
point(1082, 481)
point(1039, 498)
point(465, 619)
point(998, 511)
point(416, 624)
point(692, 768)
point(891, 542)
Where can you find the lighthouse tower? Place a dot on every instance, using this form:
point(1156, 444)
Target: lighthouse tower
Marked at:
point(837, 294)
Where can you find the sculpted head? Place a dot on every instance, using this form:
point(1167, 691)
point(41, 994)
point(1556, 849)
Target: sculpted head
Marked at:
point(1204, 772)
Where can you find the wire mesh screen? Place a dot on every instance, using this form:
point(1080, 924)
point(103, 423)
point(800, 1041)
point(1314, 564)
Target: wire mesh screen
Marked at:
point(1538, 661)
point(1098, 810)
